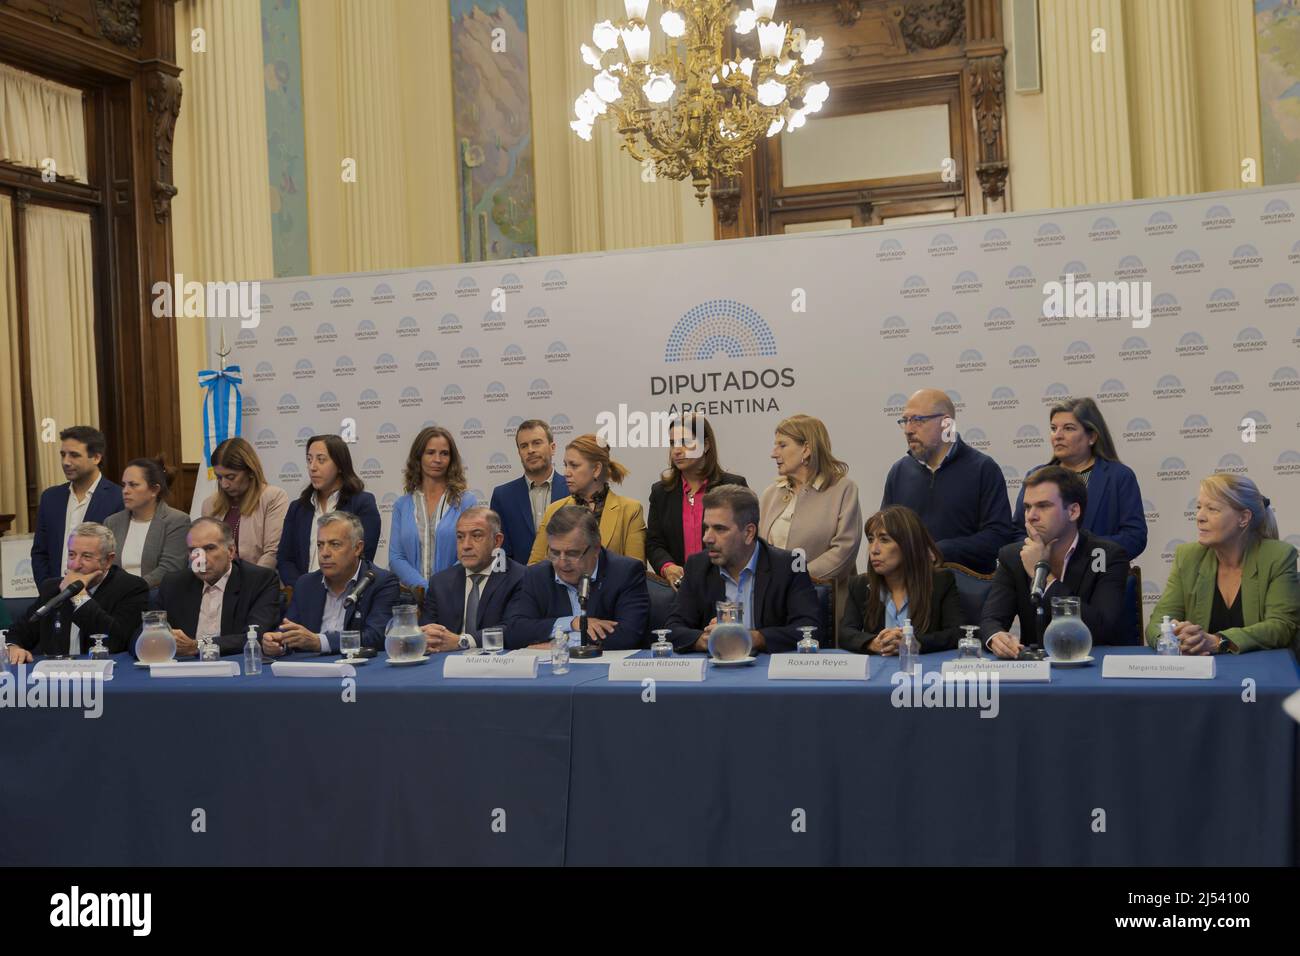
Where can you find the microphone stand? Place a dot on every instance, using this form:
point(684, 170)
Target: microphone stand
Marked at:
point(587, 648)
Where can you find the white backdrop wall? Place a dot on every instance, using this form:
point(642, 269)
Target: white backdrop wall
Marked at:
point(956, 305)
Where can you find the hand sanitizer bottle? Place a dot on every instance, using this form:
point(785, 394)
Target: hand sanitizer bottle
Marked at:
point(252, 653)
point(909, 652)
point(1168, 644)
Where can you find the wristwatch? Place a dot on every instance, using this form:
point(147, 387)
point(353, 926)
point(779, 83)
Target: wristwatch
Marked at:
point(464, 642)
point(1224, 646)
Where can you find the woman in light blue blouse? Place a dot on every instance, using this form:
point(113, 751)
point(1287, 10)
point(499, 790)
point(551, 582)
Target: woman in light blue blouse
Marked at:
point(423, 538)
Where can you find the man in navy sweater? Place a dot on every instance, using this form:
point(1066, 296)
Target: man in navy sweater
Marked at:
point(959, 492)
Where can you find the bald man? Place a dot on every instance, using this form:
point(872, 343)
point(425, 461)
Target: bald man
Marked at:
point(959, 492)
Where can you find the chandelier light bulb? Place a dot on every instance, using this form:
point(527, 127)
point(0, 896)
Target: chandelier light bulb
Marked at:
point(815, 96)
point(778, 124)
point(771, 92)
point(637, 42)
point(764, 9)
point(673, 24)
point(590, 57)
point(582, 109)
point(747, 67)
point(796, 120)
point(745, 22)
point(636, 8)
point(812, 51)
point(605, 36)
point(771, 37)
point(581, 128)
point(784, 67)
point(659, 88)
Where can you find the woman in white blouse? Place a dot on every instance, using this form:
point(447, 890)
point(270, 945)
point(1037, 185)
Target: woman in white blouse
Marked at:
point(150, 533)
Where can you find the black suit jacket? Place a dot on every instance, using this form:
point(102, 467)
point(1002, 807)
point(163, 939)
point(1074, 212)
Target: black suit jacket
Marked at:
point(664, 543)
point(1100, 593)
point(252, 596)
point(444, 599)
point(618, 594)
point(784, 600)
point(114, 609)
point(944, 629)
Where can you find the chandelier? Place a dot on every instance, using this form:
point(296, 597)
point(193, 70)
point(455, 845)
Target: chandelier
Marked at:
point(693, 111)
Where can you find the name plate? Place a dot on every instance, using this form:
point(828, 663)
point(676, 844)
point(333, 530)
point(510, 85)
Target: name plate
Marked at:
point(102, 670)
point(312, 669)
point(195, 669)
point(684, 669)
point(1031, 671)
point(488, 665)
point(1158, 666)
point(819, 667)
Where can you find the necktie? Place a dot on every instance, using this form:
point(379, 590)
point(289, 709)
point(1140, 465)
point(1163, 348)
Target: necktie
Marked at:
point(471, 603)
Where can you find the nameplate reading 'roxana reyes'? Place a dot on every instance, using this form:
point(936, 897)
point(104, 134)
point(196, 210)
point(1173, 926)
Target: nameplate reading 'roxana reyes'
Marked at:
point(819, 667)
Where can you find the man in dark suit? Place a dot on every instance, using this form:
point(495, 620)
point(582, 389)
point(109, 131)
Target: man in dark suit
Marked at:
point(218, 593)
point(88, 496)
point(322, 600)
point(522, 502)
point(473, 593)
point(1078, 565)
point(737, 565)
point(618, 607)
point(111, 603)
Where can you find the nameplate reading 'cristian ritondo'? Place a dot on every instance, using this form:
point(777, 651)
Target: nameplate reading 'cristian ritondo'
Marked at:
point(685, 669)
point(1158, 667)
point(819, 667)
point(489, 665)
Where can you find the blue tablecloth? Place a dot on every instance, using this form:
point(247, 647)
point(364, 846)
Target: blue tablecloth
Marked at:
point(586, 772)
point(716, 773)
point(410, 773)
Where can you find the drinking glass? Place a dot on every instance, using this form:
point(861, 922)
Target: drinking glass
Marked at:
point(350, 643)
point(494, 639)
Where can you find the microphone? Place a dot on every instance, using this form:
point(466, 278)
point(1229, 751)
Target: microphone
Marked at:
point(367, 579)
point(71, 591)
point(1041, 570)
point(584, 591)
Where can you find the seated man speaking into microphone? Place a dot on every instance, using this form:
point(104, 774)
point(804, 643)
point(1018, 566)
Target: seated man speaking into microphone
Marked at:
point(1058, 559)
point(218, 593)
point(738, 566)
point(473, 593)
point(93, 597)
point(618, 604)
point(348, 593)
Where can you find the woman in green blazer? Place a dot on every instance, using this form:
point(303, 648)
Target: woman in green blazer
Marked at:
point(1234, 589)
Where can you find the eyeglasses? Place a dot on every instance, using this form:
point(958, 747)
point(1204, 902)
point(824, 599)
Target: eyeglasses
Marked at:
point(567, 555)
point(917, 419)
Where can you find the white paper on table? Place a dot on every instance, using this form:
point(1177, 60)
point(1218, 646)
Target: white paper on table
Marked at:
point(195, 669)
point(312, 669)
point(1292, 706)
point(530, 652)
point(604, 658)
point(101, 670)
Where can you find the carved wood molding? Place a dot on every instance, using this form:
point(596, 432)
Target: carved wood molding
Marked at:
point(930, 24)
point(993, 179)
point(119, 21)
point(163, 101)
point(988, 96)
point(726, 204)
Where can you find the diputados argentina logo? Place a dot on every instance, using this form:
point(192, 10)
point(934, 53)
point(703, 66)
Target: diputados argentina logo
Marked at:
point(77, 909)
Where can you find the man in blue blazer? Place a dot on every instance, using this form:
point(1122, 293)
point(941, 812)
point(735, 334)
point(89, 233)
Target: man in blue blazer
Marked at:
point(618, 608)
point(522, 502)
point(473, 593)
point(88, 496)
point(737, 565)
point(322, 599)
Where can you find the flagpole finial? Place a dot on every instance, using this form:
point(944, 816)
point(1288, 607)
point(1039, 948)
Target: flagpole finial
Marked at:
point(223, 350)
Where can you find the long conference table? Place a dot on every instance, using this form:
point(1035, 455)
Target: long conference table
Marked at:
point(574, 769)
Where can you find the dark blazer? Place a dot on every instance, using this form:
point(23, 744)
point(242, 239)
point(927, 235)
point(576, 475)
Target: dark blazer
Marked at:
point(444, 599)
point(295, 540)
point(114, 609)
point(370, 616)
point(48, 545)
point(1101, 594)
point(1114, 509)
point(664, 543)
point(617, 594)
point(784, 600)
point(510, 501)
point(252, 596)
point(856, 632)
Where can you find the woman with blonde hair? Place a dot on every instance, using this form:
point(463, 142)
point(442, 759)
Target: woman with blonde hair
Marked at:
point(423, 538)
point(254, 509)
point(1234, 588)
point(589, 469)
point(813, 506)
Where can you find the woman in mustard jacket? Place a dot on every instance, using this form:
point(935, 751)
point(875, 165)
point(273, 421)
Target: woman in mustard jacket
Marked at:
point(588, 469)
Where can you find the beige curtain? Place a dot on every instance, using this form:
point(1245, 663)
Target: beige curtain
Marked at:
point(61, 313)
point(41, 119)
point(13, 476)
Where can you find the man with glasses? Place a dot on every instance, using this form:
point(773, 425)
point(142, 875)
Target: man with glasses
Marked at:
point(618, 606)
point(474, 592)
point(958, 492)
